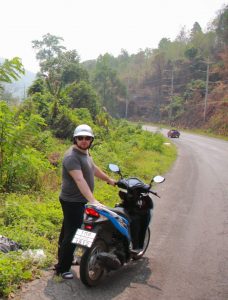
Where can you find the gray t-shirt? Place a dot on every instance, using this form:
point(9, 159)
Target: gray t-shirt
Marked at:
point(76, 160)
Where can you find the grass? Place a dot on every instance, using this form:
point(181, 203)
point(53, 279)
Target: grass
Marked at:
point(207, 133)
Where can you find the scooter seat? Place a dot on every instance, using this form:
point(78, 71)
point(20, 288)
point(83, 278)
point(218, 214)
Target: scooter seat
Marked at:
point(121, 212)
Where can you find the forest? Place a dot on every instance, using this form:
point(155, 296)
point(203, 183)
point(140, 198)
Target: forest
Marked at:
point(182, 83)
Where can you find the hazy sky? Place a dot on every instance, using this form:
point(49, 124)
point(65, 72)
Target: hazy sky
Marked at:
point(94, 27)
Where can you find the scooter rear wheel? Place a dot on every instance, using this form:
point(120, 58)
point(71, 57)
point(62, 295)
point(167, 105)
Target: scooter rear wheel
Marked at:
point(90, 271)
point(145, 245)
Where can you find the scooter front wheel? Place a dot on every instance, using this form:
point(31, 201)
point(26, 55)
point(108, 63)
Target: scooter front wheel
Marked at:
point(91, 271)
point(145, 245)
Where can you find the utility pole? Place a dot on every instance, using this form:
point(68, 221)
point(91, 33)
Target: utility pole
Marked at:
point(171, 96)
point(206, 92)
point(126, 104)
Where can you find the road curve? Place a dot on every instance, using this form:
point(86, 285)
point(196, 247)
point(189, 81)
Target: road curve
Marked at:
point(189, 248)
point(188, 254)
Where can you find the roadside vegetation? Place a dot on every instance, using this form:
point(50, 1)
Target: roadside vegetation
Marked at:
point(208, 133)
point(30, 211)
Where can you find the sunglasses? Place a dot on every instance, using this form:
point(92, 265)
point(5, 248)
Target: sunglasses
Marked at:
point(87, 138)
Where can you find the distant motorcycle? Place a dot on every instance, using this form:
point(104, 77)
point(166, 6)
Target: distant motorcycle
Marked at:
point(111, 237)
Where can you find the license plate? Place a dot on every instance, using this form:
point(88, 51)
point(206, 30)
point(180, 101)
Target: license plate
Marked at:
point(84, 238)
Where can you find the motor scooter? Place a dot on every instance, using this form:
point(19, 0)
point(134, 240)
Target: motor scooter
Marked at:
point(111, 237)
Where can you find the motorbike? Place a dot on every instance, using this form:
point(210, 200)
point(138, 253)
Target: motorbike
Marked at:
point(111, 237)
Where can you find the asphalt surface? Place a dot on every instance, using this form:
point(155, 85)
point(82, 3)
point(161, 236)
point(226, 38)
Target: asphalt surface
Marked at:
point(188, 253)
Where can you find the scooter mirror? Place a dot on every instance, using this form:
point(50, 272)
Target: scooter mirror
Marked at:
point(158, 179)
point(114, 168)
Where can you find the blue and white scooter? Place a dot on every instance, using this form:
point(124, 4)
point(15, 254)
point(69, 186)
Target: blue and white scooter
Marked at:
point(111, 237)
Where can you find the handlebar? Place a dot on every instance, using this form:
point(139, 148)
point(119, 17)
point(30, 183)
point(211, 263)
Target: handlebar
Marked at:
point(154, 193)
point(147, 189)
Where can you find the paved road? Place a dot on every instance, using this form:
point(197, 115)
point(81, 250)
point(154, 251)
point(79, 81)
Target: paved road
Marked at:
point(188, 254)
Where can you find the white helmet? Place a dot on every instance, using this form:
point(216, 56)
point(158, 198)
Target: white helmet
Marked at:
point(83, 130)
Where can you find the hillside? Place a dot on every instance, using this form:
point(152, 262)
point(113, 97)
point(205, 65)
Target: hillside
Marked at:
point(181, 83)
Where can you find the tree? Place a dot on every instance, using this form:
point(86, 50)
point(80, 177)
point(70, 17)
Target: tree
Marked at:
point(195, 90)
point(158, 64)
point(20, 163)
point(108, 85)
point(182, 36)
point(38, 86)
point(82, 95)
point(191, 53)
point(222, 26)
point(124, 56)
point(164, 43)
point(196, 30)
point(172, 50)
point(200, 44)
point(175, 108)
point(11, 70)
point(58, 67)
point(73, 72)
point(67, 119)
point(47, 49)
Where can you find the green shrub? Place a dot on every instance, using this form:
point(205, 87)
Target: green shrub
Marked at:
point(15, 267)
point(67, 119)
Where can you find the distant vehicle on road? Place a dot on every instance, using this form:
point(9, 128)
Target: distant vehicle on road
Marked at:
point(173, 133)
